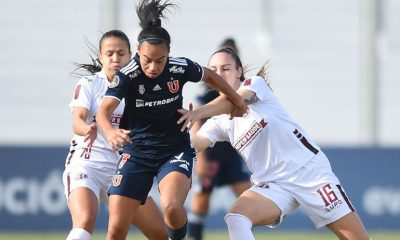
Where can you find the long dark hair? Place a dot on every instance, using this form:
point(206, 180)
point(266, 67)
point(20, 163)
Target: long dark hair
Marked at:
point(95, 65)
point(150, 13)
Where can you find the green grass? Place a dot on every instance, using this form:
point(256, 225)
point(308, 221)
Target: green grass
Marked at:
point(264, 235)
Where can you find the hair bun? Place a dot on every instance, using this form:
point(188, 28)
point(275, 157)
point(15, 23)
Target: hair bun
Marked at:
point(156, 22)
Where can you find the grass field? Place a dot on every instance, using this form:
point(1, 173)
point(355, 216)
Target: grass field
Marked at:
point(209, 236)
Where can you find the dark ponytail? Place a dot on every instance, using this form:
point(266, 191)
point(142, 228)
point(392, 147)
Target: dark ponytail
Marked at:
point(96, 65)
point(150, 13)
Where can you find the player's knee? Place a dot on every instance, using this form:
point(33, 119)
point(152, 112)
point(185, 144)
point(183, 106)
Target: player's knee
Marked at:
point(171, 207)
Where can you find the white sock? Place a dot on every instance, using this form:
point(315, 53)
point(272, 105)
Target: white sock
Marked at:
point(78, 234)
point(239, 227)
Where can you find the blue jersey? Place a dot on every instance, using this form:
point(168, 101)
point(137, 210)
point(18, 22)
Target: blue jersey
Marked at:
point(151, 107)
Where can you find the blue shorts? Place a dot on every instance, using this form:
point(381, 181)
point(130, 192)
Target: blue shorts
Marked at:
point(226, 168)
point(134, 179)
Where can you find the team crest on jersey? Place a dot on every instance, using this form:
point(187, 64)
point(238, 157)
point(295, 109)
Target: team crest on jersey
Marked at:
point(80, 176)
point(117, 180)
point(114, 82)
point(173, 86)
point(263, 185)
point(141, 89)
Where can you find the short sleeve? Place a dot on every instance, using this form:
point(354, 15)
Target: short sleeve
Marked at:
point(118, 86)
point(195, 72)
point(214, 131)
point(82, 96)
point(257, 85)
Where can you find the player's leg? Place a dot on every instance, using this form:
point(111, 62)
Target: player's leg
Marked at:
point(82, 191)
point(349, 227)
point(149, 221)
point(174, 188)
point(174, 184)
point(121, 210)
point(83, 206)
point(199, 208)
point(250, 209)
point(129, 189)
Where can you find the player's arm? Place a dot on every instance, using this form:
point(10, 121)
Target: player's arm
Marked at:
point(80, 126)
point(220, 105)
point(117, 138)
point(200, 143)
point(202, 168)
point(216, 82)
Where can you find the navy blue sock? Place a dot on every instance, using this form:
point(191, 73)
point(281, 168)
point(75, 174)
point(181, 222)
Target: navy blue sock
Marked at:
point(195, 226)
point(178, 234)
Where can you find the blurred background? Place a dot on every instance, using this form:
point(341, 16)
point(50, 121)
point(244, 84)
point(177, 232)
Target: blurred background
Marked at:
point(333, 64)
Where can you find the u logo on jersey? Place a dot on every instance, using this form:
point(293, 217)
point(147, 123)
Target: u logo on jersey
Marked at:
point(141, 89)
point(173, 86)
point(117, 180)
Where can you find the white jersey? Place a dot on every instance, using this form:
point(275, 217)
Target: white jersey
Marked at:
point(88, 93)
point(271, 143)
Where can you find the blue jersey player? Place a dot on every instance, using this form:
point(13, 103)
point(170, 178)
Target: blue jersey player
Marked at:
point(154, 145)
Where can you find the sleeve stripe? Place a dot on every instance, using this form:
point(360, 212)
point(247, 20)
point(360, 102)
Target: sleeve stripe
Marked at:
point(132, 66)
point(177, 61)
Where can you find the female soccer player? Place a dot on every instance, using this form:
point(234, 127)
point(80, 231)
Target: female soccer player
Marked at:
point(288, 169)
point(91, 164)
point(218, 166)
point(151, 84)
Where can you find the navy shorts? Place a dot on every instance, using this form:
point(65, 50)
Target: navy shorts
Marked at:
point(226, 168)
point(134, 179)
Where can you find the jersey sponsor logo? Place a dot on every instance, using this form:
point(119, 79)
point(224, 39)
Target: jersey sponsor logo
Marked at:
point(175, 69)
point(141, 89)
point(249, 136)
point(173, 86)
point(142, 103)
point(77, 91)
point(157, 88)
point(114, 82)
point(117, 179)
point(247, 82)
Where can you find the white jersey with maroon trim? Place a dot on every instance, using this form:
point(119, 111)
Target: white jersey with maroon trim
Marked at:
point(271, 143)
point(88, 93)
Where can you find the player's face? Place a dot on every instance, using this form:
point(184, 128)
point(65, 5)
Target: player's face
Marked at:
point(224, 65)
point(114, 54)
point(153, 58)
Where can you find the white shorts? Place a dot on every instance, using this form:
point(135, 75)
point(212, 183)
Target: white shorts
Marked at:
point(95, 178)
point(314, 188)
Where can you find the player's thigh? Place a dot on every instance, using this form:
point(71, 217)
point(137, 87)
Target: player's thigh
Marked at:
point(149, 221)
point(174, 188)
point(349, 227)
point(83, 205)
point(121, 210)
point(259, 209)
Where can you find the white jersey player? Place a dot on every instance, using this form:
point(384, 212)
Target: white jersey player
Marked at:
point(91, 163)
point(288, 169)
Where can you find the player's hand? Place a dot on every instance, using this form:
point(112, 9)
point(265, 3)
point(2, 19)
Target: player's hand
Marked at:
point(91, 135)
point(188, 118)
point(119, 138)
point(239, 110)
